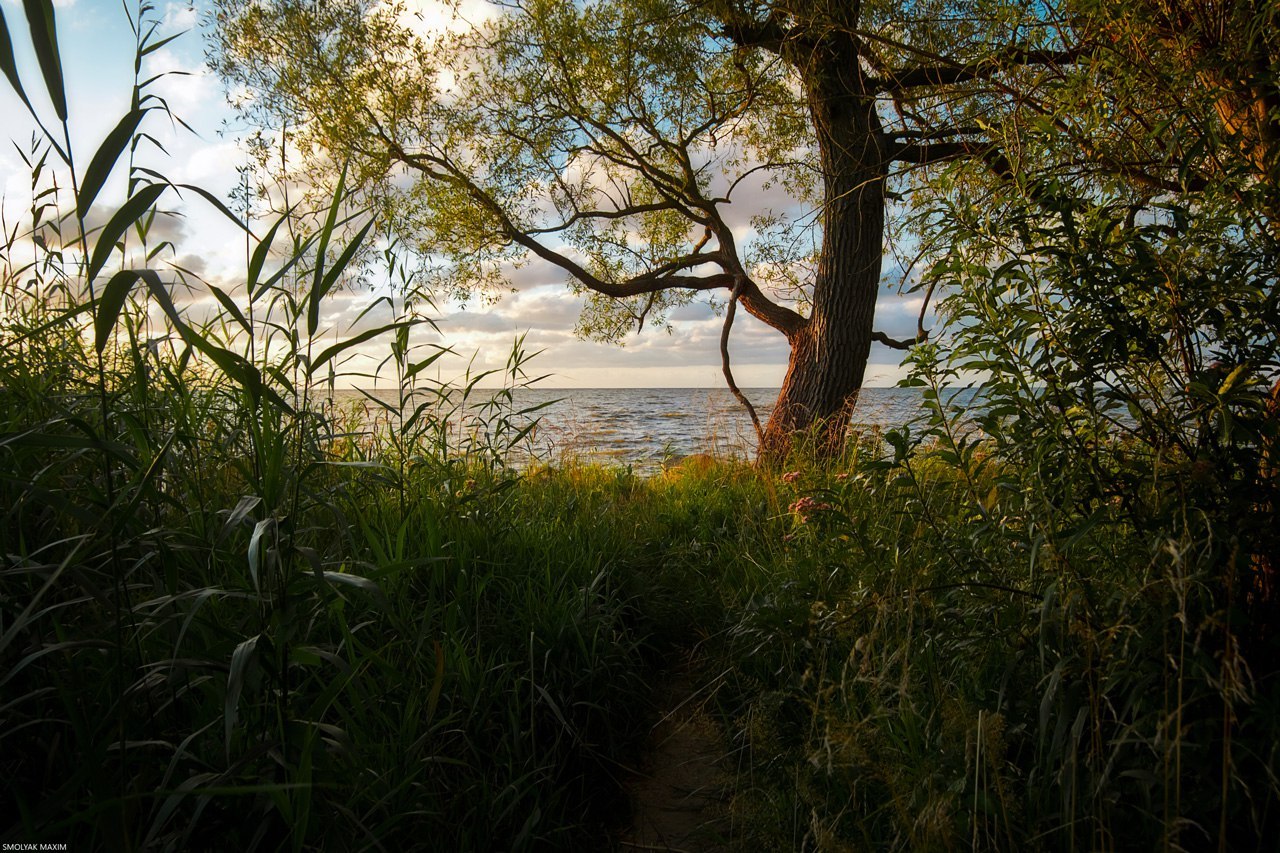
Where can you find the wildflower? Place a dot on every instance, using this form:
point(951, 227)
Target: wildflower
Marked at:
point(841, 477)
point(791, 476)
point(807, 506)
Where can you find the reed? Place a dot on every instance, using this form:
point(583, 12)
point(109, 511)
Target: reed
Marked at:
point(230, 612)
point(234, 615)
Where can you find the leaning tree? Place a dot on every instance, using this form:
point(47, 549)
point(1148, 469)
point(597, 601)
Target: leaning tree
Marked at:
point(630, 143)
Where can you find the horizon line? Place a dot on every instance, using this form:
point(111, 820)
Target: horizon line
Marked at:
point(541, 387)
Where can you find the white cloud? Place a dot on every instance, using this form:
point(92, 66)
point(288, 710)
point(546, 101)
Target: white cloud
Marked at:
point(188, 86)
point(542, 306)
point(427, 18)
point(179, 17)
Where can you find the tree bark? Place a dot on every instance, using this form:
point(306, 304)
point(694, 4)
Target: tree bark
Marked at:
point(829, 352)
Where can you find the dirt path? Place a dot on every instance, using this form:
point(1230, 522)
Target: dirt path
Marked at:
point(676, 797)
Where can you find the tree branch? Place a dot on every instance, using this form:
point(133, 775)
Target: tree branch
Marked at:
point(919, 136)
point(951, 74)
point(894, 343)
point(662, 278)
point(747, 31)
point(941, 152)
point(665, 277)
point(619, 213)
point(724, 359)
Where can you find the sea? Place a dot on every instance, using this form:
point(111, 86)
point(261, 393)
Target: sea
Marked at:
point(647, 428)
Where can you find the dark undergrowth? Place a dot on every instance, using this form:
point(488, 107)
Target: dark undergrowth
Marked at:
point(236, 616)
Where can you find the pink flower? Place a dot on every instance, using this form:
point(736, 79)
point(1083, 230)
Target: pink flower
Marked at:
point(840, 478)
point(807, 506)
point(801, 505)
point(791, 476)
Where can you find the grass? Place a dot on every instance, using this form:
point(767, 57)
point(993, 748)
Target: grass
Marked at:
point(470, 653)
point(232, 616)
point(472, 663)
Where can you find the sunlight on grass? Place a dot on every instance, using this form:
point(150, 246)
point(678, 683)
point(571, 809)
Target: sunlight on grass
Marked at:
point(233, 613)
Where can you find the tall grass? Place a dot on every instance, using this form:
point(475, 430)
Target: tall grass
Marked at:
point(939, 671)
point(233, 615)
point(1047, 622)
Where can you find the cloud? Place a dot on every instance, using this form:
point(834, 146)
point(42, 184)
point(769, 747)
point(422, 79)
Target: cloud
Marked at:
point(63, 230)
point(428, 18)
point(698, 310)
point(180, 17)
point(534, 273)
point(473, 322)
point(546, 307)
point(193, 262)
point(541, 307)
point(187, 86)
point(897, 316)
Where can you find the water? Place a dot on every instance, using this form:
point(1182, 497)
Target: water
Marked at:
point(645, 427)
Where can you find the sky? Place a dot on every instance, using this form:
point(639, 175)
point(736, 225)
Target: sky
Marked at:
point(98, 48)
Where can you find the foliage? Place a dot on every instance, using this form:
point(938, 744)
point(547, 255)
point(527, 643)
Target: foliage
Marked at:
point(1040, 617)
point(1046, 618)
point(630, 147)
point(958, 661)
point(234, 610)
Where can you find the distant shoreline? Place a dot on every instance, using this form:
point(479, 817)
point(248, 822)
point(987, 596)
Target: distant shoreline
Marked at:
point(541, 387)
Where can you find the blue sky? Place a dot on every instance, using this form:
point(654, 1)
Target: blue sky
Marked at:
point(97, 50)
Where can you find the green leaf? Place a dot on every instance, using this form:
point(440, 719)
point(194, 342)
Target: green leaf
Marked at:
point(104, 160)
point(358, 582)
point(44, 37)
point(7, 63)
point(419, 366)
point(200, 191)
point(142, 487)
point(259, 256)
point(336, 349)
point(242, 509)
point(331, 277)
point(232, 364)
point(31, 611)
point(299, 253)
point(228, 303)
point(373, 306)
point(152, 48)
point(240, 660)
point(213, 200)
point(255, 551)
point(318, 280)
point(1232, 379)
point(437, 683)
point(112, 300)
point(376, 401)
point(58, 320)
point(130, 212)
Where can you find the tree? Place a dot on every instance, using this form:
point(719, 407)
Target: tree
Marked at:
point(614, 139)
point(1176, 97)
point(1232, 49)
point(1123, 307)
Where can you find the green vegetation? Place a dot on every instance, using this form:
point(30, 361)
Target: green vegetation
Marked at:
point(234, 616)
point(626, 143)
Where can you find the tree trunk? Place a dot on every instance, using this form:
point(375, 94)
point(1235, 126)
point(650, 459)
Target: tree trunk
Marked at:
point(829, 353)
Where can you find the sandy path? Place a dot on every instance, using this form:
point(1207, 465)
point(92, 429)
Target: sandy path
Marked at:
point(676, 796)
